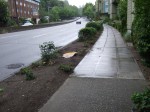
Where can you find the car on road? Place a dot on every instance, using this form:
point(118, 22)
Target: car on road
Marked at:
point(78, 22)
point(27, 23)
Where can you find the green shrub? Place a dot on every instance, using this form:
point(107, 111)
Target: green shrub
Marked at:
point(127, 36)
point(66, 68)
point(1, 90)
point(30, 76)
point(48, 52)
point(25, 70)
point(95, 25)
point(141, 27)
point(86, 33)
point(35, 64)
point(28, 72)
point(142, 101)
point(43, 20)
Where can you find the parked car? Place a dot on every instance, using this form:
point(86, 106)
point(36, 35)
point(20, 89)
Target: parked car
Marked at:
point(27, 23)
point(78, 22)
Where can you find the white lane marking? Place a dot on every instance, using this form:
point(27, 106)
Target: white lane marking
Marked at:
point(39, 35)
point(10, 36)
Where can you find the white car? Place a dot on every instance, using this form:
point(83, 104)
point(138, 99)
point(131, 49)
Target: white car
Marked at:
point(27, 23)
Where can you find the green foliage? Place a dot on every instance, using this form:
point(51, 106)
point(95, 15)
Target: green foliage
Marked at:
point(127, 36)
point(95, 25)
point(145, 62)
point(4, 15)
point(28, 72)
point(43, 20)
point(48, 51)
point(142, 101)
point(89, 10)
point(35, 64)
point(57, 10)
point(11, 22)
point(25, 70)
point(1, 90)
point(141, 28)
point(122, 14)
point(30, 76)
point(86, 33)
point(66, 68)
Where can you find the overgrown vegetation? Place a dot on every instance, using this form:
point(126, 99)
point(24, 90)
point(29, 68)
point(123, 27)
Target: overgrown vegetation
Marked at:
point(48, 52)
point(89, 32)
point(142, 101)
point(141, 28)
point(86, 33)
point(57, 10)
point(4, 14)
point(89, 10)
point(95, 25)
point(28, 72)
point(1, 90)
point(122, 14)
point(36, 64)
point(66, 68)
point(120, 21)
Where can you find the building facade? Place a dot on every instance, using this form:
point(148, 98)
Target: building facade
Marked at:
point(24, 9)
point(107, 7)
point(113, 8)
point(130, 15)
point(102, 6)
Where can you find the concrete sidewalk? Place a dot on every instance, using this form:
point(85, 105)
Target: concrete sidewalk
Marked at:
point(103, 81)
point(109, 58)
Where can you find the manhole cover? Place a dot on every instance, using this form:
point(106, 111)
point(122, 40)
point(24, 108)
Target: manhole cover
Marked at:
point(15, 66)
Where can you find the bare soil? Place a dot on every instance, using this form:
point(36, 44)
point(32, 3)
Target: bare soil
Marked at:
point(145, 70)
point(28, 96)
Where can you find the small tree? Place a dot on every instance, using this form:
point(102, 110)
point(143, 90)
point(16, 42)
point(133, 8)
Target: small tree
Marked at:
point(88, 10)
point(48, 52)
point(4, 14)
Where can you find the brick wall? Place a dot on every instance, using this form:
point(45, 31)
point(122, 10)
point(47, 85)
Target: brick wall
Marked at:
point(23, 8)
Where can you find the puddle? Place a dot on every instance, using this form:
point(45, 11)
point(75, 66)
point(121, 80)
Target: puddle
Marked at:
point(15, 66)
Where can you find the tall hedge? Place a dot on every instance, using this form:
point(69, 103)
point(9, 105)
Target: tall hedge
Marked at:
point(4, 14)
point(141, 27)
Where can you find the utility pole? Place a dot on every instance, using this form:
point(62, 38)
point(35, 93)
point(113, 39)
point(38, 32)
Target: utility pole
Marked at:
point(16, 12)
point(48, 6)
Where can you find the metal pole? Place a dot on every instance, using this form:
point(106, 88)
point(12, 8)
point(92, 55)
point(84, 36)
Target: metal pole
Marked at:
point(48, 14)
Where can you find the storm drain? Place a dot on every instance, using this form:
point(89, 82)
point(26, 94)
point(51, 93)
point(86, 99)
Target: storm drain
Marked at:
point(15, 66)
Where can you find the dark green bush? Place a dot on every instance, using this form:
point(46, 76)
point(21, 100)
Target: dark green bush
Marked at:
point(30, 76)
point(127, 36)
point(66, 68)
point(25, 70)
point(35, 64)
point(141, 28)
point(43, 20)
point(48, 51)
point(28, 72)
point(1, 90)
point(86, 33)
point(95, 25)
point(142, 101)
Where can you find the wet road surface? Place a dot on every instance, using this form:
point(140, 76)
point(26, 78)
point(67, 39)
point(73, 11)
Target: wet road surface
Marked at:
point(22, 48)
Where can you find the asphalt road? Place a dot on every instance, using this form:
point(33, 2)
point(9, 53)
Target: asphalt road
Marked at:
point(23, 47)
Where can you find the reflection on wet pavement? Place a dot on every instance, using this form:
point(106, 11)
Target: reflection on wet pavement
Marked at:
point(109, 58)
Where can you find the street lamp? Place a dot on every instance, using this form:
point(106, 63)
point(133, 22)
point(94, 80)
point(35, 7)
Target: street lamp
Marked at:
point(48, 6)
